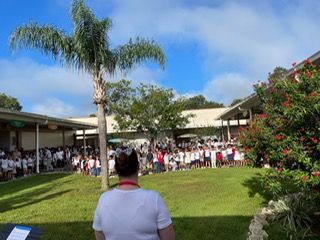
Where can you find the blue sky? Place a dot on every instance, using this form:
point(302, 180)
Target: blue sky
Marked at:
point(217, 48)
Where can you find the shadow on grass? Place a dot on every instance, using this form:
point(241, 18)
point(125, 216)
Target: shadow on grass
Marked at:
point(8, 188)
point(254, 186)
point(14, 196)
point(204, 228)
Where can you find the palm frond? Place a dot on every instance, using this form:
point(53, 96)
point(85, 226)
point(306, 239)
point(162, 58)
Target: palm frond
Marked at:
point(48, 39)
point(92, 35)
point(142, 50)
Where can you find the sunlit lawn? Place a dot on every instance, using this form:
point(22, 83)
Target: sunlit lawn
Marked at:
point(204, 203)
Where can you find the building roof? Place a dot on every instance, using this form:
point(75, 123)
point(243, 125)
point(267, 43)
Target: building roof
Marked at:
point(253, 102)
point(7, 116)
point(202, 118)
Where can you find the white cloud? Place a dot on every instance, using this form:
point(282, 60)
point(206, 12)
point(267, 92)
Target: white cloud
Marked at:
point(239, 42)
point(246, 36)
point(227, 87)
point(36, 85)
point(55, 107)
point(58, 92)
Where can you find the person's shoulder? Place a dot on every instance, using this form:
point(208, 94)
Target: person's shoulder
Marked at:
point(150, 193)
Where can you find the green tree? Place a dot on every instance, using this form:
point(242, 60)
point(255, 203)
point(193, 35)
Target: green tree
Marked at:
point(9, 102)
point(287, 134)
point(88, 49)
point(149, 109)
point(278, 73)
point(199, 101)
point(207, 131)
point(236, 101)
point(117, 92)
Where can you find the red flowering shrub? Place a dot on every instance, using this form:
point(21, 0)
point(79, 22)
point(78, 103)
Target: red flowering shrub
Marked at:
point(286, 136)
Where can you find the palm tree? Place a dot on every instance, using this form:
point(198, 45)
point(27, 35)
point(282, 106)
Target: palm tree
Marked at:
point(88, 49)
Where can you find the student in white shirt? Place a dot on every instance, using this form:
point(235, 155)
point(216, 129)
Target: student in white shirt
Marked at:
point(140, 213)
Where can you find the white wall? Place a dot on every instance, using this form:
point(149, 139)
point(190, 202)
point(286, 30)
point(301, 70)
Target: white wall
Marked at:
point(47, 139)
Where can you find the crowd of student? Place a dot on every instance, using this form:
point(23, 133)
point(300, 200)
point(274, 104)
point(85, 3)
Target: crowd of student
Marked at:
point(163, 157)
point(189, 155)
point(20, 163)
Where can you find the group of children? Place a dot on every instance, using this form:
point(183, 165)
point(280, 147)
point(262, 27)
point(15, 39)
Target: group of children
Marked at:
point(15, 165)
point(194, 156)
point(162, 158)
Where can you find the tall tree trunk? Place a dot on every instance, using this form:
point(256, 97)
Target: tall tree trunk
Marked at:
point(100, 100)
point(103, 147)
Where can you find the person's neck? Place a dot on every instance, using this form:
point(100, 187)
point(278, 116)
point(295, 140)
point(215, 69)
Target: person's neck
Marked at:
point(128, 183)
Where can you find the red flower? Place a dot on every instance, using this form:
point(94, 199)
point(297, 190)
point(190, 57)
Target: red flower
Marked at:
point(304, 178)
point(270, 121)
point(308, 61)
point(262, 115)
point(314, 65)
point(278, 163)
point(286, 104)
point(278, 137)
point(313, 94)
point(314, 140)
point(254, 139)
point(302, 129)
point(309, 74)
point(316, 174)
point(270, 81)
point(301, 138)
point(285, 151)
point(280, 169)
point(293, 64)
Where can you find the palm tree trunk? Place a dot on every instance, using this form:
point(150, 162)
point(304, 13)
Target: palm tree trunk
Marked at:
point(103, 146)
point(99, 96)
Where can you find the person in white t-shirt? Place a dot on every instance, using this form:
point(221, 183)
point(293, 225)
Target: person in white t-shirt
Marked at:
point(187, 158)
point(181, 158)
point(60, 160)
point(98, 166)
point(11, 167)
point(128, 211)
point(91, 166)
point(4, 166)
point(111, 164)
point(213, 156)
point(24, 165)
point(30, 165)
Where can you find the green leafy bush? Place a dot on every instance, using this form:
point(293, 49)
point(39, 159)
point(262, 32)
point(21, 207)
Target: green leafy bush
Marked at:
point(292, 213)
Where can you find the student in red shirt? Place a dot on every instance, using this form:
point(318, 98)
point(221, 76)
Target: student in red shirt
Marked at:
point(219, 158)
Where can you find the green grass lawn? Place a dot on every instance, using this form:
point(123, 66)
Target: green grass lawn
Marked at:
point(204, 203)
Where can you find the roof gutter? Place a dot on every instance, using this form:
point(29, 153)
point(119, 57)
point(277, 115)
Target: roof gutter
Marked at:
point(246, 109)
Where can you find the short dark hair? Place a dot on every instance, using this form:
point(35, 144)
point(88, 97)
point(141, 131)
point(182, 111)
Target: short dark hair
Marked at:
point(126, 165)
